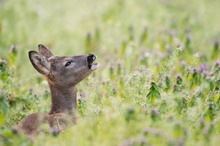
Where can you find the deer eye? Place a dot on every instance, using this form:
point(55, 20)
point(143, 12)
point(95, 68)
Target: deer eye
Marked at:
point(68, 63)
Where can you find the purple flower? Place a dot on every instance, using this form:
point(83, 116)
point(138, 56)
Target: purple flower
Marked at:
point(203, 68)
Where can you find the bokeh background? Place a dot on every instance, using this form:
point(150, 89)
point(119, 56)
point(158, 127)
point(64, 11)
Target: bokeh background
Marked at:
point(65, 26)
point(157, 80)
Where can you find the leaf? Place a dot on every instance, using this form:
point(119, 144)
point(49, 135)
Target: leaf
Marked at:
point(2, 119)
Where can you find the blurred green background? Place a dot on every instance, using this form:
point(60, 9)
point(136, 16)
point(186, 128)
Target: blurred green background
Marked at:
point(64, 26)
point(158, 80)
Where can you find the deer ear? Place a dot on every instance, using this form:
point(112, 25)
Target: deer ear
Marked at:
point(39, 62)
point(44, 51)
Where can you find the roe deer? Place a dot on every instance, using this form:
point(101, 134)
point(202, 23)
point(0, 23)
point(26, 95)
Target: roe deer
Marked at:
point(62, 74)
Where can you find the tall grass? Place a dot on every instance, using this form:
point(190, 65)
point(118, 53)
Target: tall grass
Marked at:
point(158, 80)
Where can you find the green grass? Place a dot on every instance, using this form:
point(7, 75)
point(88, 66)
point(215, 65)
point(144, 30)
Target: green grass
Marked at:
point(158, 81)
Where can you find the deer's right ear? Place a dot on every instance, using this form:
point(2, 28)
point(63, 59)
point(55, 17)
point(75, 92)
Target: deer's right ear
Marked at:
point(44, 51)
point(39, 62)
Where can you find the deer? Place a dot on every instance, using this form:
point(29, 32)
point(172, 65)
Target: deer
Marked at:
point(62, 73)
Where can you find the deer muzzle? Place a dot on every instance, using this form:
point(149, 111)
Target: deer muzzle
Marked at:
point(90, 59)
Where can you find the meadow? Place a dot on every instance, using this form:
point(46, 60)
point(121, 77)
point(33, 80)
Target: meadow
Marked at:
point(158, 80)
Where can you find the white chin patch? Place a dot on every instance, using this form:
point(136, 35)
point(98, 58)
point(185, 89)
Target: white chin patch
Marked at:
point(94, 66)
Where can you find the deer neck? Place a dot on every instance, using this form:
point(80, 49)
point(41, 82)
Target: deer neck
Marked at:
point(63, 99)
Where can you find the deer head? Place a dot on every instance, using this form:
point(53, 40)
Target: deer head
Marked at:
point(63, 71)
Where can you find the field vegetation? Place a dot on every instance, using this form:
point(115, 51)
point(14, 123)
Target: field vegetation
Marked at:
point(158, 82)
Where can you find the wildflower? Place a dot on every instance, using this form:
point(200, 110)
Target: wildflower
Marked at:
point(154, 113)
point(172, 32)
point(196, 77)
point(179, 80)
point(111, 72)
point(55, 132)
point(203, 68)
point(119, 68)
point(14, 49)
point(217, 67)
point(129, 113)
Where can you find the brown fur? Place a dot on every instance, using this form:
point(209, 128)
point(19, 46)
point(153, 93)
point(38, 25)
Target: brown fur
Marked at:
point(62, 82)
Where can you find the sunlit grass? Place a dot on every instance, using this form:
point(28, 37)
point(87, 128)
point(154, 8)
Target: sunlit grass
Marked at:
point(158, 80)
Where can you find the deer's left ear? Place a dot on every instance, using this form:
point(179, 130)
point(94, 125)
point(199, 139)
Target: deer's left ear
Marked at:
point(39, 62)
point(44, 51)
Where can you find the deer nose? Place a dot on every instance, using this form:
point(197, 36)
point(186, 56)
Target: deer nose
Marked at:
point(91, 58)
